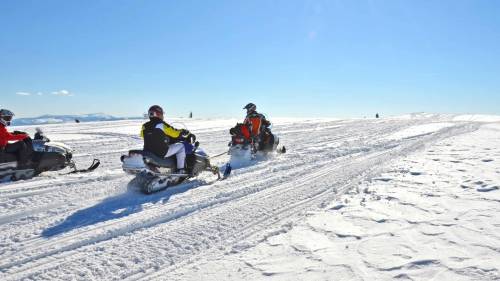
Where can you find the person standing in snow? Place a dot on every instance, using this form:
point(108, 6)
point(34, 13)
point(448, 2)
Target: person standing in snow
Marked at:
point(258, 123)
point(164, 140)
point(21, 145)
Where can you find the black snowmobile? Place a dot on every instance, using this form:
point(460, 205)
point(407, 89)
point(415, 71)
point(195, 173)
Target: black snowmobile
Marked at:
point(241, 141)
point(154, 173)
point(47, 156)
point(242, 148)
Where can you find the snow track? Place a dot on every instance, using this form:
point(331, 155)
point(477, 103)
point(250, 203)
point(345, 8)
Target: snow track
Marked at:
point(91, 227)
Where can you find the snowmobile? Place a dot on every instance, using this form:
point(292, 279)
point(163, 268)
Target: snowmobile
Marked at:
point(154, 173)
point(242, 140)
point(47, 156)
point(243, 149)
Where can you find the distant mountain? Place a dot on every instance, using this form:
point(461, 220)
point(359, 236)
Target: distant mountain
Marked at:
point(55, 119)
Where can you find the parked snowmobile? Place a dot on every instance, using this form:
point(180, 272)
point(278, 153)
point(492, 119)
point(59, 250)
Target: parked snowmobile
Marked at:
point(154, 173)
point(47, 156)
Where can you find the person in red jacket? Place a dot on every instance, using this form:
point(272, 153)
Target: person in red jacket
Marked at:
point(21, 141)
point(257, 121)
point(259, 125)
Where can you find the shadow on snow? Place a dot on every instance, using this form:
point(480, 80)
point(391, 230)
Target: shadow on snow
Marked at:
point(116, 207)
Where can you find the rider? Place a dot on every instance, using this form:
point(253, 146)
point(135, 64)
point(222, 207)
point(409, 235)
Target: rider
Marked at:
point(21, 147)
point(258, 124)
point(164, 140)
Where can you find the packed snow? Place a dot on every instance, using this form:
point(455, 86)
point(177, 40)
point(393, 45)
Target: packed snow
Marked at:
point(411, 198)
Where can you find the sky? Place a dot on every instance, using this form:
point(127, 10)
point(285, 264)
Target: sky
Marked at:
point(311, 58)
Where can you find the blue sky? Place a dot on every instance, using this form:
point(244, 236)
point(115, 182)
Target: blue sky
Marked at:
point(293, 58)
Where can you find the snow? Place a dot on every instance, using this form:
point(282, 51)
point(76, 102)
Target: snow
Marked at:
point(364, 199)
point(477, 118)
point(419, 130)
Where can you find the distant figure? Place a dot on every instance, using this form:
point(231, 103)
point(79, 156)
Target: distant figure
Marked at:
point(77, 121)
point(191, 114)
point(377, 116)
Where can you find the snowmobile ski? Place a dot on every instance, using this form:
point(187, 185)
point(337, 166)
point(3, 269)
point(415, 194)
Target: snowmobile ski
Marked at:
point(95, 164)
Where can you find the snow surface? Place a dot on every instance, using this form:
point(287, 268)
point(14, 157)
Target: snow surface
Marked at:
point(419, 130)
point(376, 199)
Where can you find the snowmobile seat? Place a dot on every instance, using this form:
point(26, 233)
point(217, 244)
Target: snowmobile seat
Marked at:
point(156, 160)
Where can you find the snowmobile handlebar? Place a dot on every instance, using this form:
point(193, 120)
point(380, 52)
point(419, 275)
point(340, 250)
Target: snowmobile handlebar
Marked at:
point(192, 138)
point(188, 136)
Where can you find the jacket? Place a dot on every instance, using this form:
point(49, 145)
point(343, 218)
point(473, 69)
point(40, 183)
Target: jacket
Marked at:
point(158, 135)
point(5, 136)
point(257, 122)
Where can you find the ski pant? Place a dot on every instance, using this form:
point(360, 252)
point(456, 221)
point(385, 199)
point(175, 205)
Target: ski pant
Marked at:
point(179, 151)
point(22, 149)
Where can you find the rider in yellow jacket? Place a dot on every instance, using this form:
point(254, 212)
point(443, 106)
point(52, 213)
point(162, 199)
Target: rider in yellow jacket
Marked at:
point(164, 140)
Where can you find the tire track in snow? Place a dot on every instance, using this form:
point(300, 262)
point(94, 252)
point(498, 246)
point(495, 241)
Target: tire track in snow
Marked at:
point(51, 248)
point(44, 246)
point(234, 198)
point(54, 186)
point(98, 177)
point(367, 166)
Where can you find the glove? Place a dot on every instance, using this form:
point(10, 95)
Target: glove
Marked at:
point(185, 133)
point(191, 138)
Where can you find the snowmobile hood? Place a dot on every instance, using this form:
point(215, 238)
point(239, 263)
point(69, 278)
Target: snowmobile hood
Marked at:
point(52, 147)
point(200, 152)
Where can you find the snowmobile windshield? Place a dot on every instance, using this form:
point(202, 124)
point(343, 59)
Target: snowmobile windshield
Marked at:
point(178, 125)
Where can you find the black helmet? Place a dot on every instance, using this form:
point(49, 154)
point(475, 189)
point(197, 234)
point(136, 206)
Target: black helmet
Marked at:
point(6, 117)
point(250, 107)
point(155, 111)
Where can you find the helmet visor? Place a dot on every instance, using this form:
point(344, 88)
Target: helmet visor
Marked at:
point(7, 118)
point(157, 114)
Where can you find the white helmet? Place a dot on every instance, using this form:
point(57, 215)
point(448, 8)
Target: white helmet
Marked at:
point(6, 117)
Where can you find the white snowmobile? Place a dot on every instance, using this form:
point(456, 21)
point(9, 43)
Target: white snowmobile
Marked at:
point(47, 156)
point(154, 173)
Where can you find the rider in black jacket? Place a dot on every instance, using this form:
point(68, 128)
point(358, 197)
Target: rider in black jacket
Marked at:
point(164, 140)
